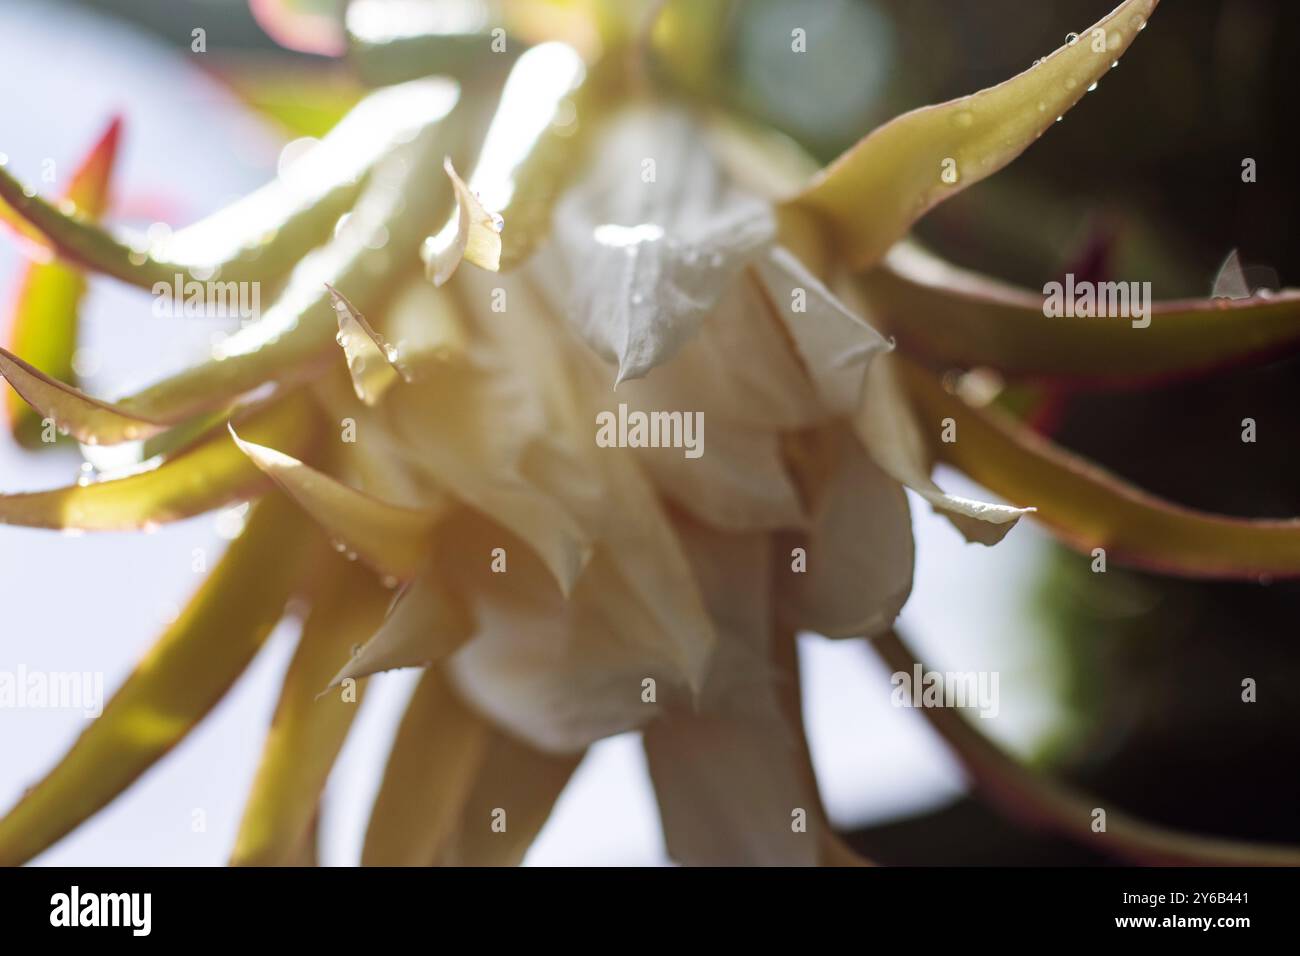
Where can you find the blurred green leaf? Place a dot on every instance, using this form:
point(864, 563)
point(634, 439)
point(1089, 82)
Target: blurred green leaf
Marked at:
point(43, 327)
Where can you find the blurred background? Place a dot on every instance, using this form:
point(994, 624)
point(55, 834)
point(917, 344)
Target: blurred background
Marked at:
point(1127, 685)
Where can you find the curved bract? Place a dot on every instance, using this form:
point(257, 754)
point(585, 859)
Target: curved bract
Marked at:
point(527, 156)
point(206, 475)
point(1088, 507)
point(260, 237)
point(71, 411)
point(294, 339)
point(1026, 796)
point(956, 317)
point(871, 195)
point(391, 538)
point(178, 682)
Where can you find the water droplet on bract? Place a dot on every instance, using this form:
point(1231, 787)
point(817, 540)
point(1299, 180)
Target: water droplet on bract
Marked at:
point(497, 222)
point(137, 258)
point(389, 581)
point(1093, 87)
point(338, 545)
point(350, 555)
point(1072, 38)
point(390, 352)
point(1059, 118)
